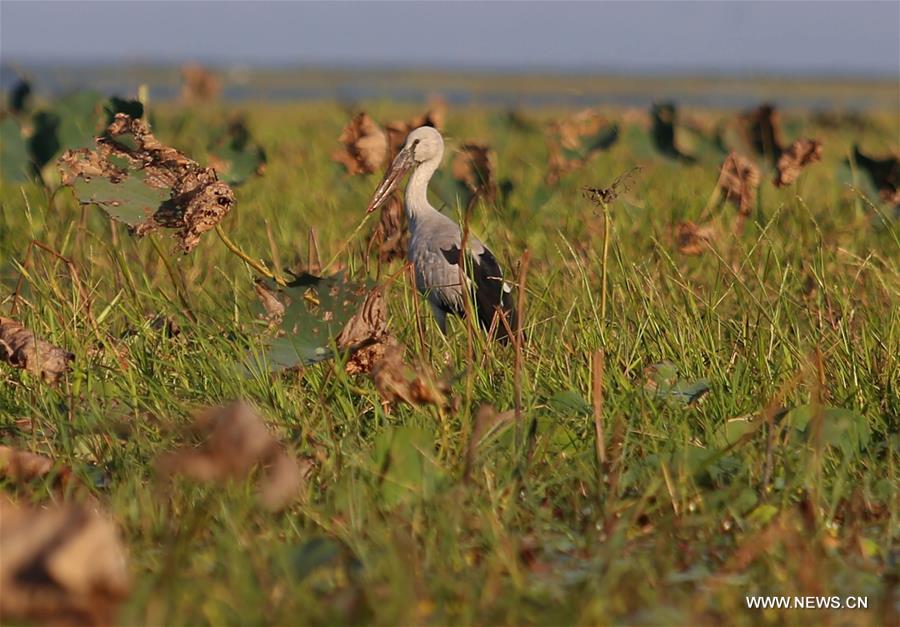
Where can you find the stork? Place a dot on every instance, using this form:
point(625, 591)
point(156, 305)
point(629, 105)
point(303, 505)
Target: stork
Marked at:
point(435, 243)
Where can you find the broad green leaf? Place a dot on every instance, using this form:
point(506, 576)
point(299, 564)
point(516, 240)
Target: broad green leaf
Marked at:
point(762, 515)
point(131, 108)
point(316, 309)
point(569, 402)
point(733, 430)
point(843, 429)
point(663, 382)
point(312, 555)
point(639, 142)
point(603, 139)
point(20, 96)
point(14, 161)
point(130, 201)
point(80, 119)
point(235, 156)
point(406, 458)
point(149, 186)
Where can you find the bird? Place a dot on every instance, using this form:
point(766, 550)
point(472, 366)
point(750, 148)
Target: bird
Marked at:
point(435, 243)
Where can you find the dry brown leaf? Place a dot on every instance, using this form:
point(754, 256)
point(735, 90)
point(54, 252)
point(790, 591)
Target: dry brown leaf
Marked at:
point(473, 165)
point(486, 420)
point(390, 235)
point(19, 466)
point(399, 129)
point(606, 195)
point(366, 335)
point(797, 156)
point(235, 440)
point(199, 85)
point(762, 127)
point(20, 348)
point(62, 565)
point(274, 307)
point(693, 239)
point(396, 381)
point(573, 141)
point(738, 181)
point(884, 173)
point(365, 145)
point(198, 199)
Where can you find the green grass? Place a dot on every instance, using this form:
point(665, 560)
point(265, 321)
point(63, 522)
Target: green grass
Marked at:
point(801, 308)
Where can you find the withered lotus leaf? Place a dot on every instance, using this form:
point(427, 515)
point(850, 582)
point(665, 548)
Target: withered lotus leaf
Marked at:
point(306, 316)
point(473, 166)
point(399, 129)
point(884, 173)
point(693, 239)
point(234, 155)
point(60, 565)
point(397, 381)
point(364, 145)
point(234, 440)
point(797, 156)
point(199, 85)
point(20, 348)
point(390, 235)
point(21, 466)
point(366, 334)
point(273, 307)
point(575, 140)
point(146, 184)
point(762, 128)
point(665, 120)
point(738, 181)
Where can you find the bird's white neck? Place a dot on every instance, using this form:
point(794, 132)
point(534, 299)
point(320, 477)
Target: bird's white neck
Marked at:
point(416, 200)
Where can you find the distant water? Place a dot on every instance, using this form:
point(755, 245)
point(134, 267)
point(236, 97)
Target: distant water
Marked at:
point(416, 87)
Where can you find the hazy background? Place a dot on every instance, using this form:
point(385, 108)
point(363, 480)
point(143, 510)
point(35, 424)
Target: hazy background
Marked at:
point(469, 52)
point(770, 37)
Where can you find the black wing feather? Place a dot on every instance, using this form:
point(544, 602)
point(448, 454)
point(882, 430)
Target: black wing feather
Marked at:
point(490, 297)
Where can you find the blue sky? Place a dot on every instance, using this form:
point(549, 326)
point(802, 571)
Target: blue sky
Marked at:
point(780, 37)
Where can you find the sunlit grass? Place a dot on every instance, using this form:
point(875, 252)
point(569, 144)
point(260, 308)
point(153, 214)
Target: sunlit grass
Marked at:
point(799, 308)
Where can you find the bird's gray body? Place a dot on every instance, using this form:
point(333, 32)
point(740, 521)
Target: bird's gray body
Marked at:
point(435, 243)
point(431, 234)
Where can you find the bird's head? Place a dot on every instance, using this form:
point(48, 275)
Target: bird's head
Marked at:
point(423, 145)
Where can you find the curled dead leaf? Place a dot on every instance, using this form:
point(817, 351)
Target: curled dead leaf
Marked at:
point(234, 441)
point(61, 565)
point(605, 195)
point(693, 239)
point(797, 156)
point(575, 140)
point(390, 235)
point(20, 348)
point(762, 128)
point(486, 420)
point(473, 165)
point(234, 155)
point(21, 466)
point(884, 173)
point(399, 129)
point(366, 335)
point(146, 184)
point(665, 120)
point(396, 381)
point(274, 307)
point(364, 145)
point(435, 115)
point(199, 85)
point(738, 181)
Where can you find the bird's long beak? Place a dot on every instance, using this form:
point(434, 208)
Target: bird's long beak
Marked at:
point(402, 162)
